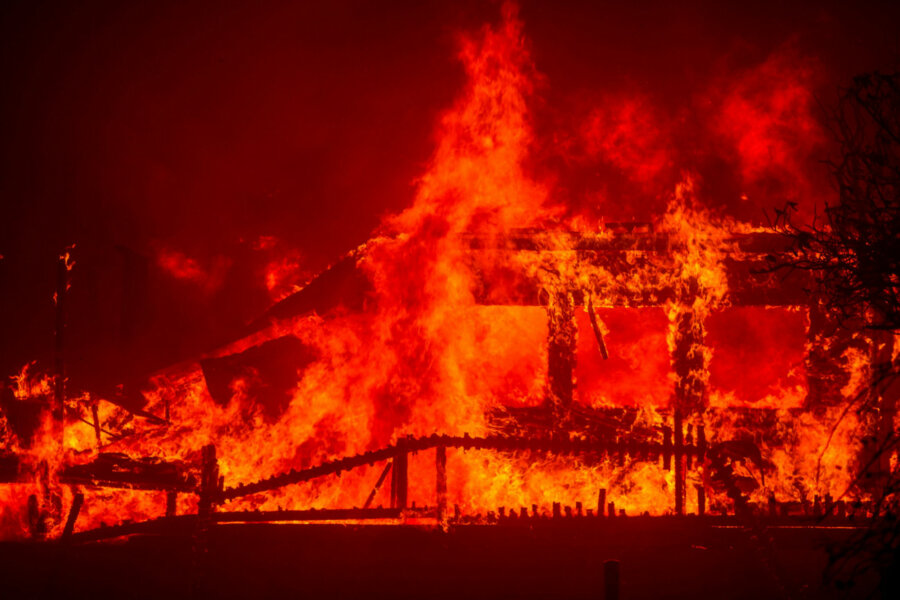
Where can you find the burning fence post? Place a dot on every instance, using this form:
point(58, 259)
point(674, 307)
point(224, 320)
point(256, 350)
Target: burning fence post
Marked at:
point(209, 488)
point(601, 502)
point(209, 481)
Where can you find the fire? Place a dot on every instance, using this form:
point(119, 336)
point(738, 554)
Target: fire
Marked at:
point(484, 304)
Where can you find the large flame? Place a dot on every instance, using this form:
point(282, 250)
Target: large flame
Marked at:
point(426, 356)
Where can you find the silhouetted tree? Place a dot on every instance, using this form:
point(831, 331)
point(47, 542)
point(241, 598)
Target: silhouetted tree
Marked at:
point(852, 251)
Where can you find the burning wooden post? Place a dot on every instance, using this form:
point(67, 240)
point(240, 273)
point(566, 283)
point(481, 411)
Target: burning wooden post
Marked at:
point(561, 353)
point(701, 500)
point(400, 480)
point(667, 448)
point(171, 500)
point(689, 363)
point(208, 495)
point(381, 478)
point(598, 334)
point(680, 475)
point(441, 483)
point(209, 482)
point(601, 502)
point(77, 501)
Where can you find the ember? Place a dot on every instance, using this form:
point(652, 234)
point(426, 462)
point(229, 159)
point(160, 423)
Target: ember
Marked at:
point(498, 354)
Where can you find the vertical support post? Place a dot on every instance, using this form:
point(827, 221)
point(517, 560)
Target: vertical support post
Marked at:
point(601, 502)
point(611, 580)
point(667, 448)
point(440, 460)
point(701, 500)
point(561, 353)
point(679, 464)
point(171, 499)
point(689, 364)
point(701, 444)
point(209, 482)
point(399, 481)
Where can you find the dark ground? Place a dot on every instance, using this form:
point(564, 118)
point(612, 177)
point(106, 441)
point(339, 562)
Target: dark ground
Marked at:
point(659, 558)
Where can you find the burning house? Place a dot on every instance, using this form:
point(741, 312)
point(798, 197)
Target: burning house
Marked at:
point(488, 371)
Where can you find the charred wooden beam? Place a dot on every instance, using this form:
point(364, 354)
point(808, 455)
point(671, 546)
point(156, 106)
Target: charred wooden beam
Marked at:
point(701, 499)
point(171, 503)
point(561, 332)
point(208, 494)
point(400, 481)
point(748, 285)
point(667, 448)
point(77, 501)
point(120, 471)
point(209, 481)
point(381, 478)
point(95, 417)
point(680, 475)
point(595, 326)
point(440, 460)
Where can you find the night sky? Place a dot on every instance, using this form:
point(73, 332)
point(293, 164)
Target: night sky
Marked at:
point(228, 135)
